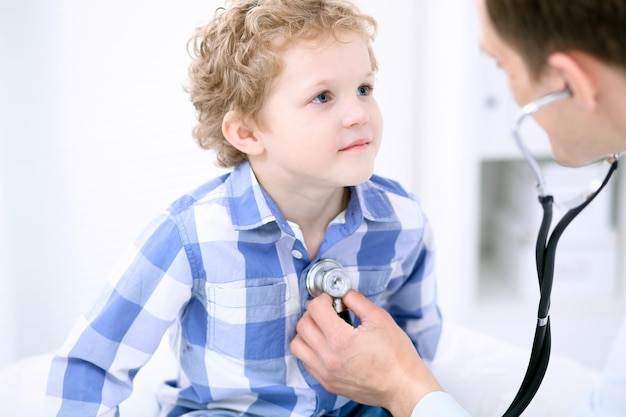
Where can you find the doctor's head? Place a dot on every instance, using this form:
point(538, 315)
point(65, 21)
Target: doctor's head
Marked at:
point(547, 46)
point(240, 54)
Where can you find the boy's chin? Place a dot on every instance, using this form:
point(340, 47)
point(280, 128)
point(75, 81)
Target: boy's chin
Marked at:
point(352, 180)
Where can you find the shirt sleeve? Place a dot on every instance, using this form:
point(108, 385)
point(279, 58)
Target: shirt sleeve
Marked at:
point(414, 304)
point(92, 373)
point(439, 404)
point(608, 398)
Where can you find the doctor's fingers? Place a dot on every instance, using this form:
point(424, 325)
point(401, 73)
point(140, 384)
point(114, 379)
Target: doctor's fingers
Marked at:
point(323, 313)
point(301, 350)
point(308, 341)
point(319, 328)
point(314, 324)
point(316, 353)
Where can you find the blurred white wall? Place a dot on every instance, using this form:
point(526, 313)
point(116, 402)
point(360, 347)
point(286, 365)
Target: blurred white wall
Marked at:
point(95, 141)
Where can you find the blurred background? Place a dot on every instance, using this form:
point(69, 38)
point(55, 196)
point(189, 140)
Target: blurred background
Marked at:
point(95, 140)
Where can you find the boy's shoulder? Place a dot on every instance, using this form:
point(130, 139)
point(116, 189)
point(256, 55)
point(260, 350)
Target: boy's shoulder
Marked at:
point(205, 192)
point(235, 190)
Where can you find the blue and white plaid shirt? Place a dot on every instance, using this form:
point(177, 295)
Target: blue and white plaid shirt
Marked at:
point(226, 272)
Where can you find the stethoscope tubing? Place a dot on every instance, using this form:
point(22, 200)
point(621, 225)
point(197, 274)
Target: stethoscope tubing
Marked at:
point(545, 254)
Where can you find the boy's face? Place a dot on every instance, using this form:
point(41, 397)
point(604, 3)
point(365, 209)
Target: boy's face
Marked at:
point(323, 125)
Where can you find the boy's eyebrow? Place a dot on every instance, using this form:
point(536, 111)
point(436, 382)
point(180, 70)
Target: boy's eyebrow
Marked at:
point(325, 81)
point(369, 74)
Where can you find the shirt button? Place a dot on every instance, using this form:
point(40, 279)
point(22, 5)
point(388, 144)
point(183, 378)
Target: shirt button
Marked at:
point(296, 254)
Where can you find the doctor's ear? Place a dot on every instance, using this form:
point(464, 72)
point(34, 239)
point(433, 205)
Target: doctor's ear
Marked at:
point(241, 134)
point(580, 75)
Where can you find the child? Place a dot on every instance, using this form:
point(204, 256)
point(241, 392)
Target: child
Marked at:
point(283, 92)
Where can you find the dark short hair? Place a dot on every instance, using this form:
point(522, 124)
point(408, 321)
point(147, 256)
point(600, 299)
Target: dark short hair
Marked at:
point(537, 28)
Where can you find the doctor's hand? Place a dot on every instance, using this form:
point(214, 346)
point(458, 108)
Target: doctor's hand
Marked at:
point(374, 364)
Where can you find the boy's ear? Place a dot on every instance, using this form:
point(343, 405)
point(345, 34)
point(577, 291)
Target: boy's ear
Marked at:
point(580, 76)
point(240, 135)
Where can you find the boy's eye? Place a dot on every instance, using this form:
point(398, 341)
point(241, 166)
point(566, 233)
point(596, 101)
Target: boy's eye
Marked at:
point(364, 90)
point(322, 97)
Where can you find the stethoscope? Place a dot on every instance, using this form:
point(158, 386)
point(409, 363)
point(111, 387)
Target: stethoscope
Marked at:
point(545, 251)
point(329, 276)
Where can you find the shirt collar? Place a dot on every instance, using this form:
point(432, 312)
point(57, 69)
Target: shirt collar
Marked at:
point(373, 202)
point(251, 207)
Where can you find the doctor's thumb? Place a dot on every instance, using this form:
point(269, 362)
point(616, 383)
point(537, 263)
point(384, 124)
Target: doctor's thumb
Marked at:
point(360, 305)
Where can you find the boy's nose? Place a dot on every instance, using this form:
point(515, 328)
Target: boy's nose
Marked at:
point(355, 113)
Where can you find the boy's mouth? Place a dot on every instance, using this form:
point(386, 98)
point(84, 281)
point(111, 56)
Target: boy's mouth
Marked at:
point(357, 144)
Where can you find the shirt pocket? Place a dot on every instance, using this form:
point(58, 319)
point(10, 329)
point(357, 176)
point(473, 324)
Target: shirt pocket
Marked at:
point(373, 281)
point(247, 322)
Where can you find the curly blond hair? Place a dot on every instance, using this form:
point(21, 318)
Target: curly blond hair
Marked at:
point(236, 55)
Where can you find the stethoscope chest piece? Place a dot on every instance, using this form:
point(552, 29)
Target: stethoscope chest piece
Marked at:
point(328, 276)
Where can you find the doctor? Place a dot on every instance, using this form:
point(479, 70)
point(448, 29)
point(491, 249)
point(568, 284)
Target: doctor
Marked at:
point(544, 47)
